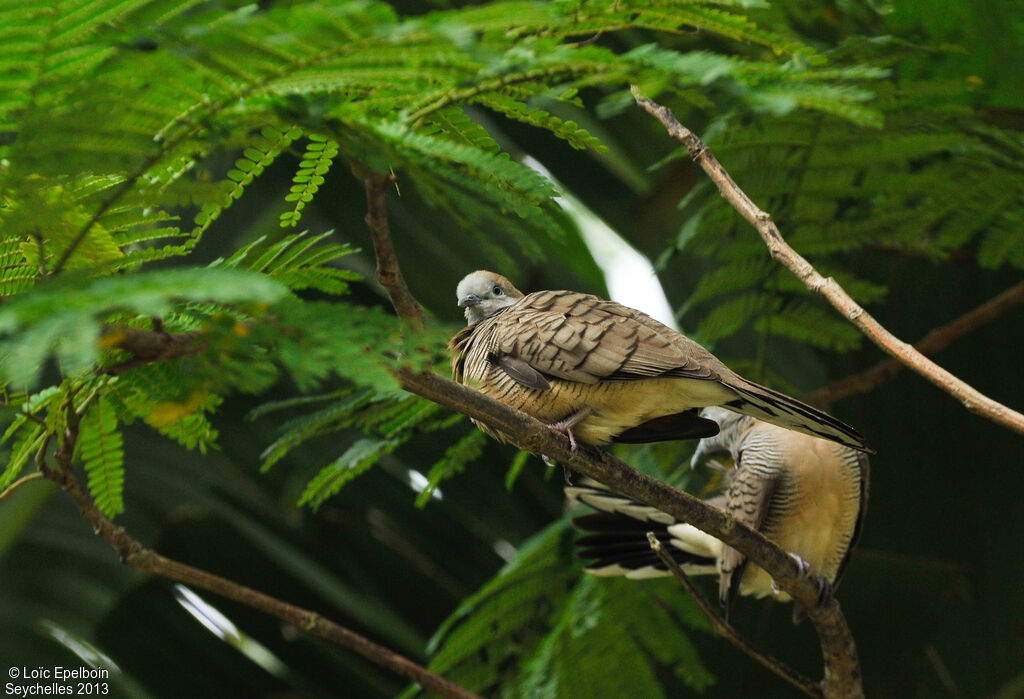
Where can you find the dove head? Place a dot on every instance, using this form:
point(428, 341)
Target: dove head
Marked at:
point(484, 293)
point(731, 427)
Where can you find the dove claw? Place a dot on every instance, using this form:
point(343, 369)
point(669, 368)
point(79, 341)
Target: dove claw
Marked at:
point(565, 426)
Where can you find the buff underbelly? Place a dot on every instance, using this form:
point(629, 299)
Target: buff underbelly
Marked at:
point(614, 406)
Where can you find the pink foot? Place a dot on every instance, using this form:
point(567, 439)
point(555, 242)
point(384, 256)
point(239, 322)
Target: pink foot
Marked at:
point(565, 426)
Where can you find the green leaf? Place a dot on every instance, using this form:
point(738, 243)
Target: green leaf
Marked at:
point(598, 623)
point(482, 642)
point(335, 416)
point(454, 460)
point(300, 260)
point(357, 459)
point(101, 449)
point(316, 163)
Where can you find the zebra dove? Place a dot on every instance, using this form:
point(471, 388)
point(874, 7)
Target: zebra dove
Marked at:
point(601, 372)
point(806, 495)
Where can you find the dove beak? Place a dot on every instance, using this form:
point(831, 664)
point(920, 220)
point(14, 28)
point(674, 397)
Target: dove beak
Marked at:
point(469, 300)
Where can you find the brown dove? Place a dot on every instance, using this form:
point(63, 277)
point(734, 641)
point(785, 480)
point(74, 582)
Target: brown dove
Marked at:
point(601, 372)
point(805, 494)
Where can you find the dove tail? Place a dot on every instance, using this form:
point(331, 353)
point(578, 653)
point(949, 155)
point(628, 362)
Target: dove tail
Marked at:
point(615, 537)
point(779, 409)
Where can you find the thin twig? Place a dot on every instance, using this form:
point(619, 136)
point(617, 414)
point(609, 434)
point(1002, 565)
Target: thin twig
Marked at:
point(842, 667)
point(20, 482)
point(41, 252)
point(725, 629)
point(972, 399)
point(132, 553)
point(931, 343)
point(389, 274)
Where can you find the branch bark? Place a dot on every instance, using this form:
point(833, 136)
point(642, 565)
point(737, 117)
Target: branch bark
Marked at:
point(842, 667)
point(389, 274)
point(132, 553)
point(726, 630)
point(931, 343)
point(972, 399)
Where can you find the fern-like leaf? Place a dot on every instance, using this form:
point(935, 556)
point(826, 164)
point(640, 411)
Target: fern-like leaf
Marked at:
point(28, 441)
point(569, 131)
point(301, 261)
point(260, 154)
point(454, 460)
point(299, 430)
point(101, 450)
point(356, 460)
point(16, 270)
point(316, 163)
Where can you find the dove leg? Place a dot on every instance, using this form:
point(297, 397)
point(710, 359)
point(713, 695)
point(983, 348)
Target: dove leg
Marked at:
point(805, 570)
point(565, 425)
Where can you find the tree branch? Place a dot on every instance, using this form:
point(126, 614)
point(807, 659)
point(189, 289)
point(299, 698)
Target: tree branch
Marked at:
point(147, 346)
point(725, 629)
point(842, 674)
point(132, 553)
point(931, 343)
point(971, 398)
point(20, 482)
point(388, 272)
point(842, 668)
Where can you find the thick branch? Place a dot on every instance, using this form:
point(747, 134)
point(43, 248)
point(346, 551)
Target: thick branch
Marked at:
point(133, 553)
point(725, 629)
point(388, 272)
point(931, 343)
point(842, 669)
point(971, 398)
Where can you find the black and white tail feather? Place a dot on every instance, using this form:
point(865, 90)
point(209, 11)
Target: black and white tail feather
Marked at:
point(616, 541)
point(779, 409)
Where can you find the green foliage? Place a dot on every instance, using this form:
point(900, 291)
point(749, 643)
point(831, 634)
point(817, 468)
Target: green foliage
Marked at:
point(357, 458)
point(455, 459)
point(481, 645)
point(390, 419)
point(170, 403)
point(26, 434)
point(109, 163)
point(298, 260)
point(263, 149)
point(67, 318)
point(101, 449)
point(539, 628)
point(570, 131)
point(573, 661)
point(486, 192)
point(928, 185)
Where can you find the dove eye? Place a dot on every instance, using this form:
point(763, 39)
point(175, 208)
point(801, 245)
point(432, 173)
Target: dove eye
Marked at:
point(497, 291)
